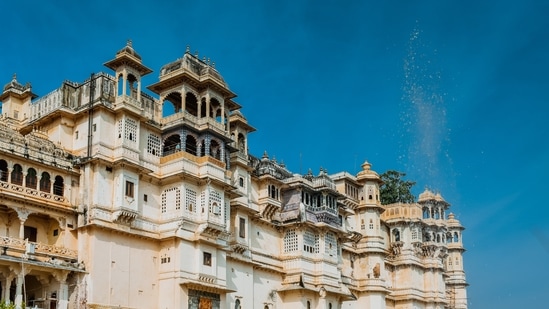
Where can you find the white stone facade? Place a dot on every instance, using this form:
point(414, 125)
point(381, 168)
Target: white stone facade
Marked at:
point(113, 198)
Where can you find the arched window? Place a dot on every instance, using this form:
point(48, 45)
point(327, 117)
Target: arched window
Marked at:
point(448, 237)
point(215, 109)
point(203, 109)
point(190, 145)
point(172, 104)
point(171, 145)
point(58, 186)
point(425, 213)
point(191, 104)
point(45, 182)
point(31, 179)
point(396, 233)
point(3, 170)
point(241, 143)
point(120, 85)
point(131, 88)
point(17, 175)
point(215, 150)
point(237, 304)
point(308, 305)
point(438, 237)
point(456, 237)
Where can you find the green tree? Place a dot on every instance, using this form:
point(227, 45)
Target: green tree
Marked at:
point(395, 189)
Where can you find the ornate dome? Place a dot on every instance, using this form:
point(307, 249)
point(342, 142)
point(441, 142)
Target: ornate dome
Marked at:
point(128, 49)
point(14, 84)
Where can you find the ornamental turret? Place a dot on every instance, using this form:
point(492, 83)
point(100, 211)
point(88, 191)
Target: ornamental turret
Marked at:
point(16, 100)
point(455, 282)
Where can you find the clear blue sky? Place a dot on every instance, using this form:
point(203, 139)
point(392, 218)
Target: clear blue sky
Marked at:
point(454, 93)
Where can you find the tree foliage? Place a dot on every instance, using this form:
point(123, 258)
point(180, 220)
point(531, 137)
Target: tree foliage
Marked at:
point(395, 189)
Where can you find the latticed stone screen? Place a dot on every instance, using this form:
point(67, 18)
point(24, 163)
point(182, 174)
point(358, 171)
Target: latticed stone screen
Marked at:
point(290, 241)
point(153, 145)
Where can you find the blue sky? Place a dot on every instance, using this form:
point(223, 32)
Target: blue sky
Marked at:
point(453, 93)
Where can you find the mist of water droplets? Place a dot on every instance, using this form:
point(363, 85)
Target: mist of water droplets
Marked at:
point(425, 134)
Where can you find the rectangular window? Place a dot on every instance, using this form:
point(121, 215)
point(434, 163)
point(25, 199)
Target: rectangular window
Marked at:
point(242, 228)
point(94, 127)
point(145, 198)
point(129, 188)
point(30, 233)
point(207, 259)
point(76, 135)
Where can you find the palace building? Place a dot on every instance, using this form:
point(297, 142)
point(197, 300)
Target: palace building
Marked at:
point(113, 197)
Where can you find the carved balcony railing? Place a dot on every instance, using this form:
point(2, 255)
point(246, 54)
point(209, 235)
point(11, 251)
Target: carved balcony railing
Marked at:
point(31, 193)
point(36, 248)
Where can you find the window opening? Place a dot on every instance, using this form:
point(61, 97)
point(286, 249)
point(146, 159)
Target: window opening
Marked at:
point(207, 261)
point(129, 188)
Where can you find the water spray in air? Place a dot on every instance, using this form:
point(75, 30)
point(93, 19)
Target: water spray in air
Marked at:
point(425, 135)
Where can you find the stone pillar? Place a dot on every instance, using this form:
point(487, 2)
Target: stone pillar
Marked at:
point(208, 104)
point(63, 293)
point(183, 100)
point(207, 142)
point(6, 284)
point(223, 115)
point(20, 279)
point(139, 90)
point(124, 81)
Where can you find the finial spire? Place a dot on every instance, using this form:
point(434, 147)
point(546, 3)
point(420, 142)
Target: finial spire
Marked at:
point(129, 43)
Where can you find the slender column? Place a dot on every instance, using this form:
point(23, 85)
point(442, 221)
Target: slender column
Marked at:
point(139, 90)
point(183, 100)
point(208, 105)
point(207, 142)
point(124, 81)
point(19, 289)
point(222, 151)
point(6, 284)
point(21, 229)
point(23, 214)
point(223, 115)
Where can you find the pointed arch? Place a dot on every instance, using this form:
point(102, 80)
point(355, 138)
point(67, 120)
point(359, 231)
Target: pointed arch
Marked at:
point(132, 86)
point(31, 179)
point(215, 149)
point(172, 144)
point(58, 186)
point(45, 182)
point(17, 175)
point(190, 145)
point(172, 104)
point(191, 104)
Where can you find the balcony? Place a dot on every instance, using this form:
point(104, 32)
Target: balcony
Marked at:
point(37, 251)
point(31, 194)
point(204, 123)
point(202, 167)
